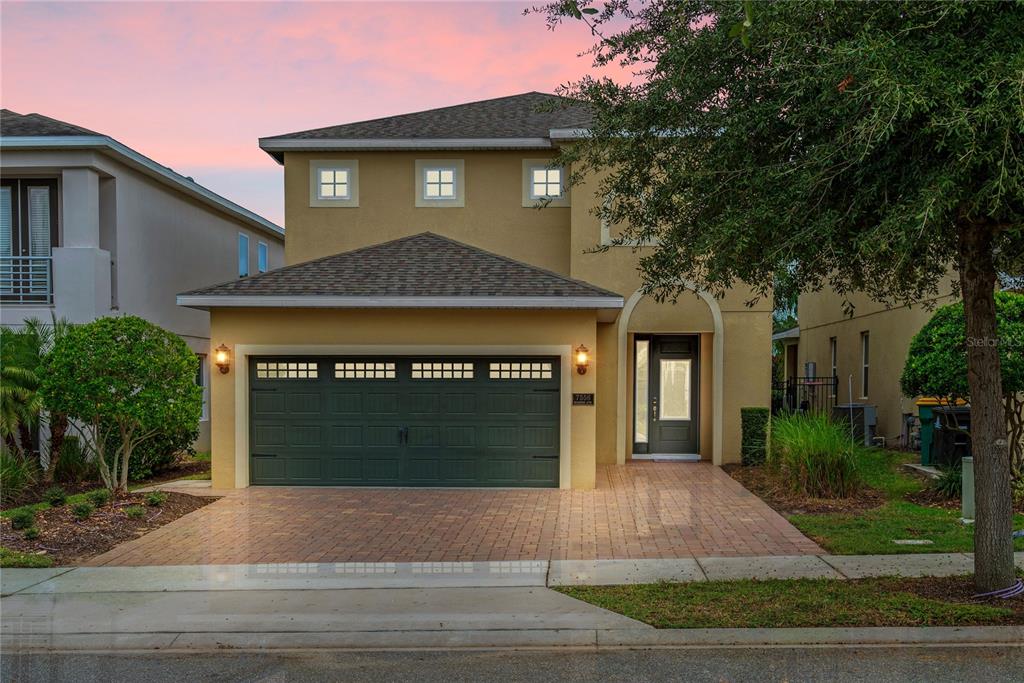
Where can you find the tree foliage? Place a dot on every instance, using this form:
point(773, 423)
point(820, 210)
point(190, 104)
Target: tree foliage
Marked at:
point(839, 147)
point(937, 361)
point(861, 146)
point(127, 380)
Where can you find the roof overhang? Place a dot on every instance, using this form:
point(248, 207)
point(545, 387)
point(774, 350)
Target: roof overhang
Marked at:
point(276, 147)
point(145, 165)
point(791, 333)
point(606, 307)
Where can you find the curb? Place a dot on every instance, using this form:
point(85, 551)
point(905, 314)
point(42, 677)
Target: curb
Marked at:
point(524, 639)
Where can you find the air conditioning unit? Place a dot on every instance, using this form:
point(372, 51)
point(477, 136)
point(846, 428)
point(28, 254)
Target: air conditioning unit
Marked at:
point(865, 420)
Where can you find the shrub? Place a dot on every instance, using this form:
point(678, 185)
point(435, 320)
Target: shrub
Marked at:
point(99, 497)
point(127, 377)
point(156, 498)
point(55, 496)
point(23, 518)
point(160, 451)
point(31, 533)
point(74, 465)
point(754, 435)
point(814, 456)
point(17, 474)
point(82, 511)
point(949, 482)
point(135, 511)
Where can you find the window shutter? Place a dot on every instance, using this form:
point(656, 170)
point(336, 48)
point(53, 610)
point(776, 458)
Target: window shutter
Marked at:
point(6, 221)
point(39, 221)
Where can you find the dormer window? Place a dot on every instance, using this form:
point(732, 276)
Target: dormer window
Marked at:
point(545, 183)
point(439, 183)
point(334, 183)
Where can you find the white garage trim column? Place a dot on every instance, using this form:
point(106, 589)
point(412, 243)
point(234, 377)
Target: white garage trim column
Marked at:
point(244, 351)
point(623, 421)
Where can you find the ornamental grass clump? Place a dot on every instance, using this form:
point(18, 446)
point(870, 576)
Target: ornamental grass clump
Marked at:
point(814, 456)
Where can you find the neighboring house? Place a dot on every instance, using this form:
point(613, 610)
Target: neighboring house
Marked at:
point(865, 351)
point(437, 326)
point(89, 228)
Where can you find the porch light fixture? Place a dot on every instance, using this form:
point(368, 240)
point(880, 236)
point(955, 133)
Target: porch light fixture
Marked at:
point(222, 358)
point(582, 359)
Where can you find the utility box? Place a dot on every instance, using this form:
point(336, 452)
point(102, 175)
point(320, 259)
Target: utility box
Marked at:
point(865, 420)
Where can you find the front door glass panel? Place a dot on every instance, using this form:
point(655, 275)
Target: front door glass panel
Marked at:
point(675, 396)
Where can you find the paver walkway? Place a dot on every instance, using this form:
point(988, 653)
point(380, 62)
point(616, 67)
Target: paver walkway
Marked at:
point(637, 511)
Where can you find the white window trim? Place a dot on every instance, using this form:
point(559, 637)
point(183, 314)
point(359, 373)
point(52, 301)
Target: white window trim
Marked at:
point(238, 252)
point(204, 374)
point(262, 265)
point(420, 168)
point(349, 201)
point(530, 200)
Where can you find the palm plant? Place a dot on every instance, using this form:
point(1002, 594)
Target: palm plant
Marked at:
point(19, 405)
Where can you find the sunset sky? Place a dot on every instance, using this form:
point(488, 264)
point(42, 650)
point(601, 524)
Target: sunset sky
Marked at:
point(193, 85)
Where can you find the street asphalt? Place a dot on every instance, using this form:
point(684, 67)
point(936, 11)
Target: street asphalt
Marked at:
point(876, 665)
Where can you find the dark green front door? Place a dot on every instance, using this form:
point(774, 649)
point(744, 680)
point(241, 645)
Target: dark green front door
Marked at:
point(408, 421)
point(673, 394)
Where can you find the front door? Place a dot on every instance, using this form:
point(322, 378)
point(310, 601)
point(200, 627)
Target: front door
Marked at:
point(673, 394)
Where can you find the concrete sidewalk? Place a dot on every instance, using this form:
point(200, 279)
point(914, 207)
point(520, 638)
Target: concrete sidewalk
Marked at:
point(415, 605)
point(486, 574)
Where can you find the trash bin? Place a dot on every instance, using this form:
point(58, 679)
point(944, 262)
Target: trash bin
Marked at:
point(951, 439)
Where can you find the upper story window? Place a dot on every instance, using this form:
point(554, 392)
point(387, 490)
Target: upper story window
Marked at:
point(243, 255)
point(544, 184)
point(261, 257)
point(440, 183)
point(865, 344)
point(334, 182)
point(28, 233)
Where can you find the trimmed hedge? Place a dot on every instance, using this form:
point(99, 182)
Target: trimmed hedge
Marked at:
point(754, 445)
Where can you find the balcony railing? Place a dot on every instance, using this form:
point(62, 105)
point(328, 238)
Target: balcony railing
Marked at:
point(26, 280)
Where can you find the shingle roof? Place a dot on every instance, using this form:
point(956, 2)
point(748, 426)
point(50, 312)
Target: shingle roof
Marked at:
point(13, 124)
point(529, 115)
point(424, 265)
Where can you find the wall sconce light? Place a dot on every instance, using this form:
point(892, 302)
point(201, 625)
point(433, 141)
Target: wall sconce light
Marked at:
point(582, 359)
point(222, 359)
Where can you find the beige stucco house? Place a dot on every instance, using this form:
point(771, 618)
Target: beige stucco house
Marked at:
point(866, 351)
point(90, 228)
point(444, 320)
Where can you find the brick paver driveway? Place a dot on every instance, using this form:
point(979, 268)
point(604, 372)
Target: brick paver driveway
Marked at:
point(640, 510)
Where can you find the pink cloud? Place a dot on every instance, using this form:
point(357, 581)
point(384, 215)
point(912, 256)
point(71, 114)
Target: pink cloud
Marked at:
point(195, 85)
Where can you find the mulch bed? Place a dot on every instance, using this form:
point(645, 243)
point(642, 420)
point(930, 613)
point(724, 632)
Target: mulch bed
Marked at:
point(758, 481)
point(70, 541)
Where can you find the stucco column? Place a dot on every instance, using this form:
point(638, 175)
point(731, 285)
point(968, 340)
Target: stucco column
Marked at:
point(81, 202)
point(81, 270)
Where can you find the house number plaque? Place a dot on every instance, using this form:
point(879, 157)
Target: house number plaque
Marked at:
point(583, 399)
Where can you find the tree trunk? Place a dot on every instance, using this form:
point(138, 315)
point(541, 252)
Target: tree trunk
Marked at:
point(993, 545)
point(58, 430)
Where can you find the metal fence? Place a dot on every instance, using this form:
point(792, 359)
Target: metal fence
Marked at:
point(26, 279)
point(804, 394)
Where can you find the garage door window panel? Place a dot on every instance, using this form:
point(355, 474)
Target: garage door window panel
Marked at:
point(286, 370)
point(364, 370)
point(520, 370)
point(442, 370)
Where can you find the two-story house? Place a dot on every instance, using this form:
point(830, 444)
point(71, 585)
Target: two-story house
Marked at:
point(90, 228)
point(444, 320)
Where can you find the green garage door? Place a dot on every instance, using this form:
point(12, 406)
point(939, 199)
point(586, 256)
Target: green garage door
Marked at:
point(358, 421)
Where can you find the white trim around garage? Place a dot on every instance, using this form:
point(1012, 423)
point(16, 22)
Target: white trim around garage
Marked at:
point(241, 370)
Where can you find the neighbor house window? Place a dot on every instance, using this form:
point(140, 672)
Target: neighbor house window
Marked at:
point(833, 351)
point(545, 183)
point(243, 255)
point(28, 233)
point(439, 183)
point(334, 183)
point(864, 358)
point(261, 257)
point(202, 381)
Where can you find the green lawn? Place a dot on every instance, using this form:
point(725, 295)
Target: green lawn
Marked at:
point(787, 603)
point(872, 532)
point(13, 558)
